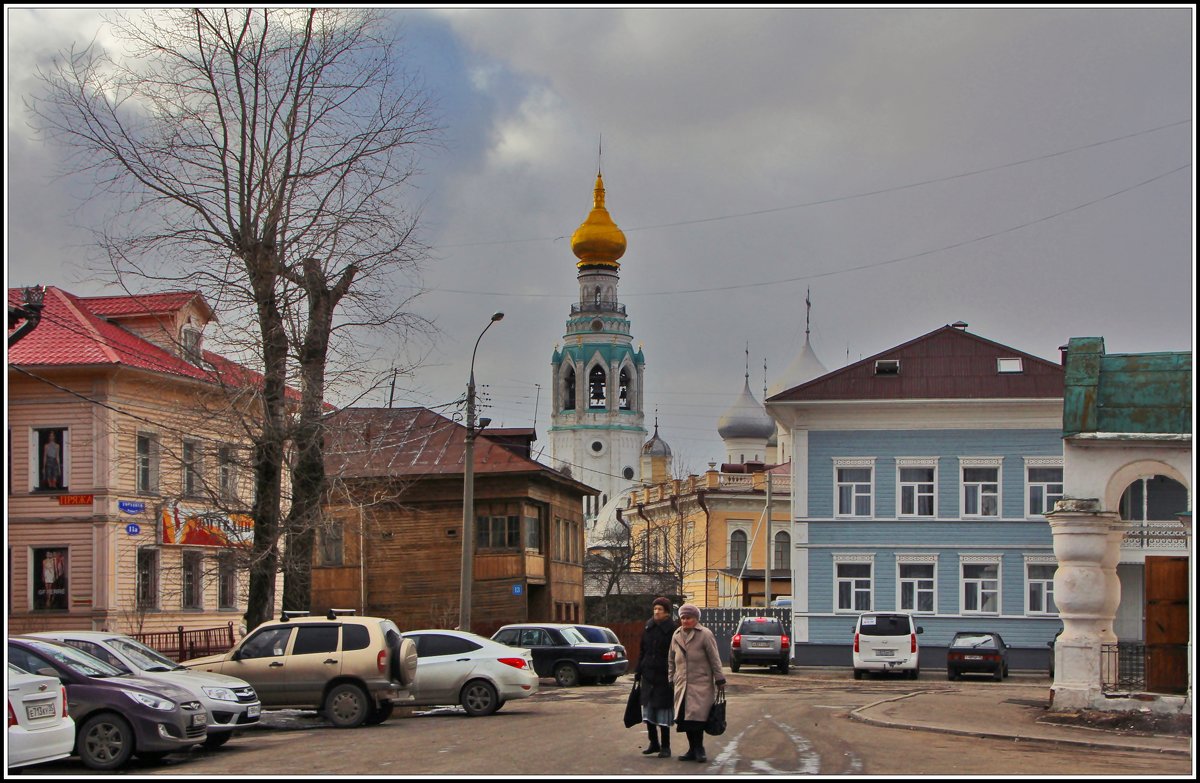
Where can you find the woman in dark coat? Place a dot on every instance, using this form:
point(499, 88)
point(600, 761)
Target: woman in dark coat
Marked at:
point(658, 698)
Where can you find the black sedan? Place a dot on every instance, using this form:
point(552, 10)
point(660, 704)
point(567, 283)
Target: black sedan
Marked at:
point(977, 652)
point(561, 651)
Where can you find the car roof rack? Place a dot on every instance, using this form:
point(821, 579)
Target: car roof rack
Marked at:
point(335, 613)
point(290, 613)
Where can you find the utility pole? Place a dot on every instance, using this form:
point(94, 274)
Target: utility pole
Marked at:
point(770, 543)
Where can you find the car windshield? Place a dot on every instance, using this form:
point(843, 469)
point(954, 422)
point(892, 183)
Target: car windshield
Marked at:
point(573, 636)
point(885, 625)
point(76, 660)
point(141, 656)
point(973, 640)
point(761, 627)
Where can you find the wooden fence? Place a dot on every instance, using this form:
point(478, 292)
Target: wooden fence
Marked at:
point(181, 645)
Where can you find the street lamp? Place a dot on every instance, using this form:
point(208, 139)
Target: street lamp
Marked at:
point(468, 543)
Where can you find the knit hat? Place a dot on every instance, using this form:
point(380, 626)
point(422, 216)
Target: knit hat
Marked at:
point(665, 603)
point(689, 610)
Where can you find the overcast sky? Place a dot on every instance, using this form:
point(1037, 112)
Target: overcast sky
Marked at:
point(1028, 171)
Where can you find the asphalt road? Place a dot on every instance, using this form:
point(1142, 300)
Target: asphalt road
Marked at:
point(794, 724)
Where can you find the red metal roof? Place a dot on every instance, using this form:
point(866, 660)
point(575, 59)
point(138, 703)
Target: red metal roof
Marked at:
point(415, 442)
point(144, 304)
point(72, 333)
point(947, 363)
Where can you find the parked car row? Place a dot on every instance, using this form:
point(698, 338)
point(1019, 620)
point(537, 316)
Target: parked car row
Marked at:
point(107, 697)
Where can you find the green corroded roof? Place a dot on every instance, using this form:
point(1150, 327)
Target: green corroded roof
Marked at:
point(1126, 393)
point(610, 352)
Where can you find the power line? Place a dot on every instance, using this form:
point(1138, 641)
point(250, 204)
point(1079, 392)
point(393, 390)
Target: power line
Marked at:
point(836, 199)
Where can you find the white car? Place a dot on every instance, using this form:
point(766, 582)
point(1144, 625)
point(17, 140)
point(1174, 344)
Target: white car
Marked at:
point(455, 667)
point(886, 642)
point(231, 703)
point(39, 728)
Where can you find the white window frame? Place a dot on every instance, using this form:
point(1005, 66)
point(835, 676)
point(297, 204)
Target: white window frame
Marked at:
point(920, 463)
point(1034, 463)
point(969, 463)
point(149, 461)
point(35, 457)
point(852, 463)
point(854, 582)
point(915, 559)
point(981, 584)
point(737, 528)
point(188, 558)
point(193, 468)
point(1032, 561)
point(153, 600)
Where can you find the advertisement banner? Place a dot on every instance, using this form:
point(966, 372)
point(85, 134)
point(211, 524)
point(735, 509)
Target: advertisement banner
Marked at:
point(197, 527)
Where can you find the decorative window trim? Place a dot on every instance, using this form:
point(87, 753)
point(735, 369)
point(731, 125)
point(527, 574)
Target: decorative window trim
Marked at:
point(1043, 462)
point(917, 558)
point(1041, 560)
point(981, 462)
point(853, 462)
point(854, 557)
point(980, 558)
point(916, 462)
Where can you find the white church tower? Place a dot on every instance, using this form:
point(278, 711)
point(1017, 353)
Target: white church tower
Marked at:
point(598, 425)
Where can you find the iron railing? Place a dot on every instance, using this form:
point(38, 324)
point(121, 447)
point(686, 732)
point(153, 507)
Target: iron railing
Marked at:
point(1123, 667)
point(181, 645)
point(598, 307)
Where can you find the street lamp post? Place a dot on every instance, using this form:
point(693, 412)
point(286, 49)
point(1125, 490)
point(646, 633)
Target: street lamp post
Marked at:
point(468, 543)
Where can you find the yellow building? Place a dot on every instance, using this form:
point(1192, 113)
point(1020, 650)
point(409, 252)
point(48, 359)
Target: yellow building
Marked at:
point(128, 475)
point(709, 534)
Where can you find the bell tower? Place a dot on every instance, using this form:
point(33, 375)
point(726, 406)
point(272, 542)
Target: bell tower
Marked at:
point(598, 425)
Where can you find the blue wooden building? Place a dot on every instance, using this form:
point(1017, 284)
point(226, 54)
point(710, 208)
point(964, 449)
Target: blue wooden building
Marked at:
point(920, 479)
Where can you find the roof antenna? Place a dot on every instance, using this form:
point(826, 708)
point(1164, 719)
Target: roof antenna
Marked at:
point(807, 311)
point(600, 155)
point(747, 363)
point(764, 377)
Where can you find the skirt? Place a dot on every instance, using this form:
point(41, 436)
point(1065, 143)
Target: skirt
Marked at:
point(659, 716)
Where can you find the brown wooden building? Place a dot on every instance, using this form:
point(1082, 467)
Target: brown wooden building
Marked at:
point(391, 541)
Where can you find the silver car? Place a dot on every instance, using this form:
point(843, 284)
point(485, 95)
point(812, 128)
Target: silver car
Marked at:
point(455, 667)
point(231, 703)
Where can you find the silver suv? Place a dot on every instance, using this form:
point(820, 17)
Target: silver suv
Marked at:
point(761, 640)
point(354, 669)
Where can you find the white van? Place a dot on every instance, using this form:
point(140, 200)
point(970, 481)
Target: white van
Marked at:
point(884, 642)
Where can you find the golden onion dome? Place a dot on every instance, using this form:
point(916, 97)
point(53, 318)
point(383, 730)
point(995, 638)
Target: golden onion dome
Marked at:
point(598, 240)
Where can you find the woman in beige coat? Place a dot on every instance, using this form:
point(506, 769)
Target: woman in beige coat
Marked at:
point(694, 668)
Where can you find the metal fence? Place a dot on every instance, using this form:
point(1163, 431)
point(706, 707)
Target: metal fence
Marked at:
point(1122, 667)
point(723, 623)
point(181, 645)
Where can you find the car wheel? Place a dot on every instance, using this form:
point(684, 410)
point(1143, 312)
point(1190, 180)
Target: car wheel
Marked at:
point(783, 667)
point(346, 706)
point(1006, 670)
point(566, 675)
point(734, 665)
point(377, 715)
point(105, 742)
point(914, 674)
point(479, 698)
point(609, 680)
point(998, 675)
point(858, 673)
point(951, 675)
point(218, 739)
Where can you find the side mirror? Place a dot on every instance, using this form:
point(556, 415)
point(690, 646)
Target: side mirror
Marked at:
point(237, 655)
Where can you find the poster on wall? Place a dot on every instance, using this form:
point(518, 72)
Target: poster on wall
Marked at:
point(196, 527)
point(50, 578)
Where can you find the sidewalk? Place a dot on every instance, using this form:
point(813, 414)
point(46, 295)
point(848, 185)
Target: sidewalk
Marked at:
point(1013, 716)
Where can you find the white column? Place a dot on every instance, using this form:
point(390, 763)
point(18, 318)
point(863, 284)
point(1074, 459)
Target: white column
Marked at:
point(1086, 589)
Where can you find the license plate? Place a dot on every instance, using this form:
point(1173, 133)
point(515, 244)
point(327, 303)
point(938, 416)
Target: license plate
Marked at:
point(760, 644)
point(200, 720)
point(40, 711)
point(973, 657)
point(885, 653)
point(253, 710)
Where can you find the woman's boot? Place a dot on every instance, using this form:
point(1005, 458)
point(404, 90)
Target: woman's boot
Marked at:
point(691, 754)
point(653, 747)
point(665, 742)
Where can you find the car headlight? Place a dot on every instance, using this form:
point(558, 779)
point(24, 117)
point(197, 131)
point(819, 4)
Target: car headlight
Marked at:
point(150, 700)
point(220, 694)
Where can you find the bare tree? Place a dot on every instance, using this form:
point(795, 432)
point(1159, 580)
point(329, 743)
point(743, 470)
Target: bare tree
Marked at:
point(258, 156)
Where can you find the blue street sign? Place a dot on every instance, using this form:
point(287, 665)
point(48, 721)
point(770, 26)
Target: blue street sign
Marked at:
point(133, 528)
point(518, 589)
point(131, 506)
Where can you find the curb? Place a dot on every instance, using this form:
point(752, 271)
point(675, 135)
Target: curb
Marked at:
point(859, 715)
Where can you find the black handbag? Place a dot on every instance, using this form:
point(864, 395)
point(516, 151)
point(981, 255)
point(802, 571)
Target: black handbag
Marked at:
point(633, 707)
point(715, 725)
